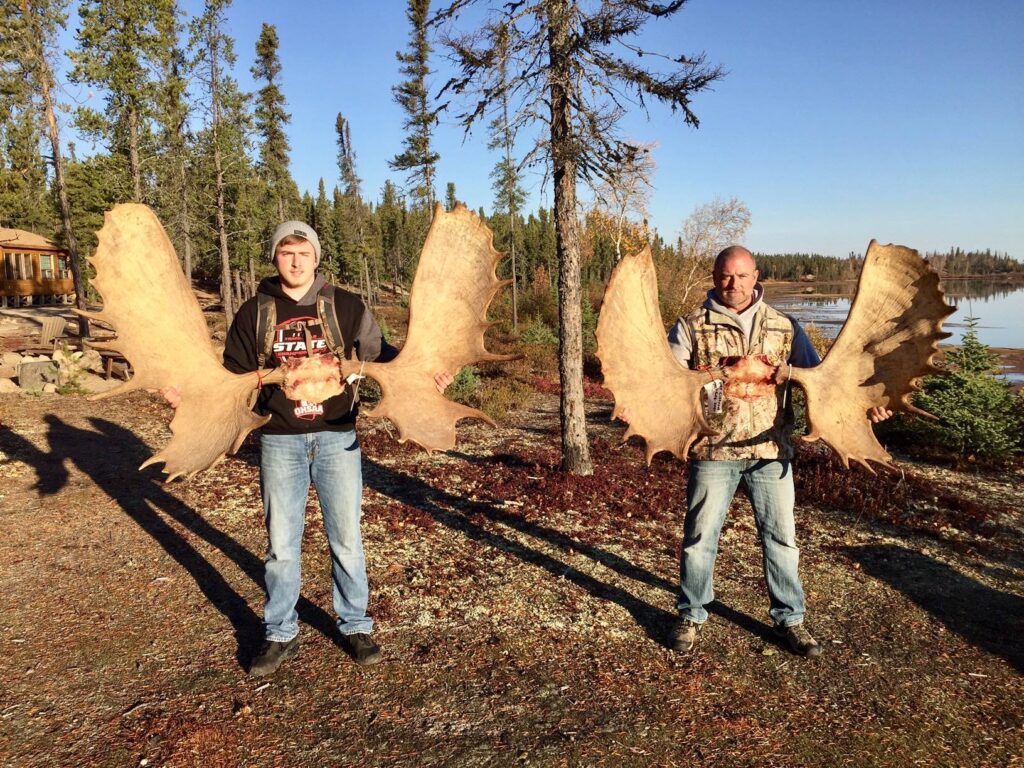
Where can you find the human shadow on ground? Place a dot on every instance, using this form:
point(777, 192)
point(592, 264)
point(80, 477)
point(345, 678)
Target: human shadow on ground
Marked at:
point(984, 617)
point(109, 457)
point(453, 512)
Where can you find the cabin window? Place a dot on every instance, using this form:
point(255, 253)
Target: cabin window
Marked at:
point(26, 267)
point(8, 266)
point(63, 270)
point(46, 266)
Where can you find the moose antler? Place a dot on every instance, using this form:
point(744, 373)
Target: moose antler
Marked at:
point(454, 284)
point(889, 341)
point(161, 331)
point(660, 397)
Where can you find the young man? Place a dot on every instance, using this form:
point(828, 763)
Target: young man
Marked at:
point(307, 442)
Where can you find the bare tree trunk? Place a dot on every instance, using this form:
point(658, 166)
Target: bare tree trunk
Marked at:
point(222, 230)
point(186, 222)
point(133, 154)
point(252, 277)
point(45, 78)
point(575, 448)
point(515, 278)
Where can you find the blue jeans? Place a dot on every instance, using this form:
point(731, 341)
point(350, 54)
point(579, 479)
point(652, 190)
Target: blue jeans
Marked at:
point(709, 493)
point(332, 461)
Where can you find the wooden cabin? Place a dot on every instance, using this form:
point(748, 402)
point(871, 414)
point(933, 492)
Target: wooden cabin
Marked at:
point(33, 270)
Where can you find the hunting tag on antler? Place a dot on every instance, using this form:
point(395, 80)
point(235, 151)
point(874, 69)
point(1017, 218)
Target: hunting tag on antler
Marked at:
point(889, 341)
point(162, 333)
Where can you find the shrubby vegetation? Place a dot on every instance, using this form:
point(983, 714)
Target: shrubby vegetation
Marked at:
point(978, 416)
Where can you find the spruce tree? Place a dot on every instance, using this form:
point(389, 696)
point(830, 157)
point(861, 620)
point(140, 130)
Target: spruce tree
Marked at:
point(119, 48)
point(576, 65)
point(417, 159)
point(271, 118)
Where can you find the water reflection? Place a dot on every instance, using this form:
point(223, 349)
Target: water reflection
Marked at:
point(999, 307)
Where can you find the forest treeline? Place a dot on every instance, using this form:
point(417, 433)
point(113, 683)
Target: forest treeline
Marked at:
point(173, 130)
point(952, 263)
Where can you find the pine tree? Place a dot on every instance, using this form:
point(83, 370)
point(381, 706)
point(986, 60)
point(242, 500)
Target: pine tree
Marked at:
point(41, 20)
point(271, 119)
point(171, 116)
point(508, 193)
point(977, 414)
point(119, 47)
point(411, 94)
point(225, 138)
point(575, 82)
point(25, 202)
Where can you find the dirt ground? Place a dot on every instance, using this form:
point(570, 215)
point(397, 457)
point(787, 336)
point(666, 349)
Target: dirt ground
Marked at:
point(522, 612)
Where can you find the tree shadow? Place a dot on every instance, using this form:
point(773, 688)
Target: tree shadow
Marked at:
point(986, 618)
point(109, 456)
point(452, 512)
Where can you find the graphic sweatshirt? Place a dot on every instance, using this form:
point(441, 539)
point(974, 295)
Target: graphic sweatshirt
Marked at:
point(359, 331)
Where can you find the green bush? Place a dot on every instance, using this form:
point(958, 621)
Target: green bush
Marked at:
point(463, 389)
point(538, 332)
point(978, 416)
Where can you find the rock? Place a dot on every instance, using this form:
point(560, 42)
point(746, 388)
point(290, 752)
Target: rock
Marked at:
point(91, 360)
point(34, 374)
point(93, 384)
point(7, 387)
point(49, 388)
point(10, 358)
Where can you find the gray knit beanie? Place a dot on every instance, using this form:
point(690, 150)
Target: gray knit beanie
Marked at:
point(294, 228)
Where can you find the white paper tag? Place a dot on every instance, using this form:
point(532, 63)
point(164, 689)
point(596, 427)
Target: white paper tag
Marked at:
point(353, 377)
point(713, 394)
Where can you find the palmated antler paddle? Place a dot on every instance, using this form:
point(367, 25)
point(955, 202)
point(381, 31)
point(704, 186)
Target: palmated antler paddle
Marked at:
point(659, 397)
point(161, 331)
point(889, 341)
point(454, 284)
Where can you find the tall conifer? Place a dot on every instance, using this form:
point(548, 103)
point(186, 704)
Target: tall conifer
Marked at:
point(417, 159)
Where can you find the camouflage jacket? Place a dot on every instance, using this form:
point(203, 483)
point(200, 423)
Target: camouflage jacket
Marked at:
point(757, 416)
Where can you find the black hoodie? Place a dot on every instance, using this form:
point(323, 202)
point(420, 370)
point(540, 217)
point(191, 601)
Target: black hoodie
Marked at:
point(359, 330)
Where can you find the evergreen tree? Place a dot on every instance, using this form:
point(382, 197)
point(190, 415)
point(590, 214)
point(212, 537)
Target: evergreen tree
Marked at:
point(977, 414)
point(450, 201)
point(509, 195)
point(271, 119)
point(417, 159)
point(575, 81)
point(225, 136)
point(25, 202)
point(40, 21)
point(171, 115)
point(119, 46)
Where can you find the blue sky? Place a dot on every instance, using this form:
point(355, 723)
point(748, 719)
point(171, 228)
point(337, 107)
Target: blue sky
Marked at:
point(837, 121)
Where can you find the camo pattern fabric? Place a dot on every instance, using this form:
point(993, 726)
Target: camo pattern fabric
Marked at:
point(753, 423)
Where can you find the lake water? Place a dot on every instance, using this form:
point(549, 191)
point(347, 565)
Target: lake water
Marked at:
point(999, 308)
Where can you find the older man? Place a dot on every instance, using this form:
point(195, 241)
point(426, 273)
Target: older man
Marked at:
point(736, 330)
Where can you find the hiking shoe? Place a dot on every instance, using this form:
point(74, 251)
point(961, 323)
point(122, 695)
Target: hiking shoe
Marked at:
point(683, 636)
point(800, 640)
point(361, 648)
point(272, 654)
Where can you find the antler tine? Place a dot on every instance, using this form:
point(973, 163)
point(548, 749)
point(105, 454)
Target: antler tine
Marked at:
point(661, 396)
point(889, 341)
